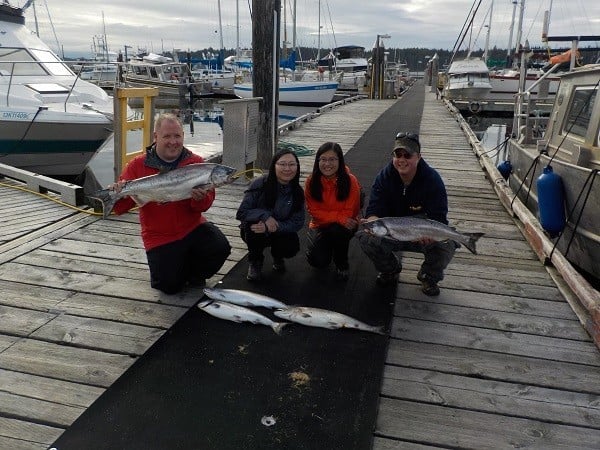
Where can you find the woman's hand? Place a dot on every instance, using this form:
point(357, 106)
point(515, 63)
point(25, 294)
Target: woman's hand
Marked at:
point(259, 227)
point(271, 224)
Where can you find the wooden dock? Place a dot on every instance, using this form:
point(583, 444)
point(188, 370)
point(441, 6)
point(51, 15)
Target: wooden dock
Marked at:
point(498, 360)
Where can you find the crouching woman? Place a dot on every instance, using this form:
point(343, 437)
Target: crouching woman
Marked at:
point(271, 214)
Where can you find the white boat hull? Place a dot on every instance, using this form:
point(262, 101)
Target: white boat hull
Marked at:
point(305, 93)
point(505, 87)
point(49, 142)
point(51, 122)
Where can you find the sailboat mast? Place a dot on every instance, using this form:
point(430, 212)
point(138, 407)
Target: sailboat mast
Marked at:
point(294, 28)
point(512, 29)
point(520, 28)
point(220, 26)
point(237, 30)
point(487, 36)
point(319, 35)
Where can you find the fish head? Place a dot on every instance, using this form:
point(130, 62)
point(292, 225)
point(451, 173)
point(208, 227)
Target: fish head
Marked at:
point(375, 227)
point(222, 175)
point(205, 304)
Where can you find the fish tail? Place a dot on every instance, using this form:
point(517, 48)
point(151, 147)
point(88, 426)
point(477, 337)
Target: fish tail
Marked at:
point(108, 199)
point(473, 238)
point(278, 326)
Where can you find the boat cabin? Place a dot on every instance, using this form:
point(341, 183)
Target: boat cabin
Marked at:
point(574, 126)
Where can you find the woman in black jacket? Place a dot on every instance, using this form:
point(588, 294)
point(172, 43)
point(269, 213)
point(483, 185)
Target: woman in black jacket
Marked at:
point(271, 214)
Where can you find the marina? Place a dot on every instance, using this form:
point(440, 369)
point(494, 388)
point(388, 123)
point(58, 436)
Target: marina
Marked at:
point(505, 357)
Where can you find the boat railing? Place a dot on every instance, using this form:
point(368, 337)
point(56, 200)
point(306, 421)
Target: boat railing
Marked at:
point(529, 122)
point(14, 69)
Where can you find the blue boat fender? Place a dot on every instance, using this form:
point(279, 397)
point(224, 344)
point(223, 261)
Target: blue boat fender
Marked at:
point(505, 168)
point(551, 201)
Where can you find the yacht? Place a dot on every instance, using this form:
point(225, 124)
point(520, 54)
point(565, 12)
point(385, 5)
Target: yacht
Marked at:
point(51, 121)
point(467, 79)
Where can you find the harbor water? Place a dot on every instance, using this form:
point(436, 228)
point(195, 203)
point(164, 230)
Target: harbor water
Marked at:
point(203, 134)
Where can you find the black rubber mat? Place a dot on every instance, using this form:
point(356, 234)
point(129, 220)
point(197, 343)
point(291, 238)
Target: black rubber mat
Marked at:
point(213, 384)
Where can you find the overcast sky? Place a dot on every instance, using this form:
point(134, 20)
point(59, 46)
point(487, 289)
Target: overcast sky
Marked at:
point(160, 25)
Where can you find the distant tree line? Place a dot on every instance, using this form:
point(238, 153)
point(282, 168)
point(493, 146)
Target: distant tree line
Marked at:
point(416, 58)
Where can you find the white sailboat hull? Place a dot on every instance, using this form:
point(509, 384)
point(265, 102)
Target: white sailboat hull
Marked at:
point(305, 93)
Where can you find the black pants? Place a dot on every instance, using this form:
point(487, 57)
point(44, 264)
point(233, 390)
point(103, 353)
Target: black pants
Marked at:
point(327, 243)
point(283, 245)
point(193, 259)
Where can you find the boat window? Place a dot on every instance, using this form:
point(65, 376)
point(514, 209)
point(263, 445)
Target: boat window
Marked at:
point(580, 111)
point(19, 62)
point(54, 65)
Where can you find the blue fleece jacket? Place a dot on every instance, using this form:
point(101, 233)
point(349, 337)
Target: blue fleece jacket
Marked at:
point(425, 196)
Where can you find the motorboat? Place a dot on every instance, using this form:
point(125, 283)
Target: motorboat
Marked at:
point(566, 145)
point(220, 80)
point(51, 121)
point(300, 93)
point(348, 60)
point(172, 78)
point(467, 79)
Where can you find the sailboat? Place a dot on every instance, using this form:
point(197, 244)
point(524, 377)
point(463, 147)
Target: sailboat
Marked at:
point(507, 82)
point(292, 92)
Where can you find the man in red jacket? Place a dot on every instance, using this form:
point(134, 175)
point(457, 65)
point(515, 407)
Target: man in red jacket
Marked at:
point(181, 246)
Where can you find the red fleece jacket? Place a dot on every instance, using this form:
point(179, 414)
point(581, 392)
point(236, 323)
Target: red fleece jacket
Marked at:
point(162, 223)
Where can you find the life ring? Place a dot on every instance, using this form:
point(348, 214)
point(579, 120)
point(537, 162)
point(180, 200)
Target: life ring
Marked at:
point(474, 107)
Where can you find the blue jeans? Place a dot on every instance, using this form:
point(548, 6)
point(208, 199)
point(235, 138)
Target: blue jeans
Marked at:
point(383, 253)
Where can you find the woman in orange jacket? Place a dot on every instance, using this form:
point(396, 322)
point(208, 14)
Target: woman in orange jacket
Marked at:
point(333, 201)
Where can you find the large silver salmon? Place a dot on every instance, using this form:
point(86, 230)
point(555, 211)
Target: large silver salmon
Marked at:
point(243, 298)
point(414, 228)
point(176, 184)
point(316, 317)
point(236, 313)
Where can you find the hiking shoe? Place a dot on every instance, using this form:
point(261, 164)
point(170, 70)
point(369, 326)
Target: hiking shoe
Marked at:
point(341, 274)
point(428, 286)
point(254, 271)
point(278, 265)
point(387, 278)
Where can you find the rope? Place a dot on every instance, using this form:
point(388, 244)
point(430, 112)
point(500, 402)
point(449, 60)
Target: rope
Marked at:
point(299, 150)
point(590, 179)
point(54, 199)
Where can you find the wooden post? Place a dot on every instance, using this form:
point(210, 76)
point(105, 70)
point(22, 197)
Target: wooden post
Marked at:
point(266, 19)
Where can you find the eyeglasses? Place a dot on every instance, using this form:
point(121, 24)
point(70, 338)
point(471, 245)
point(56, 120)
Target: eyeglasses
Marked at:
point(402, 154)
point(327, 160)
point(284, 165)
point(412, 136)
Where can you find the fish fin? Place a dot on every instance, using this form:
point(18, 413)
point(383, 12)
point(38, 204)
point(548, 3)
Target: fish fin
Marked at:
point(305, 315)
point(138, 200)
point(334, 325)
point(473, 238)
point(278, 326)
point(108, 198)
